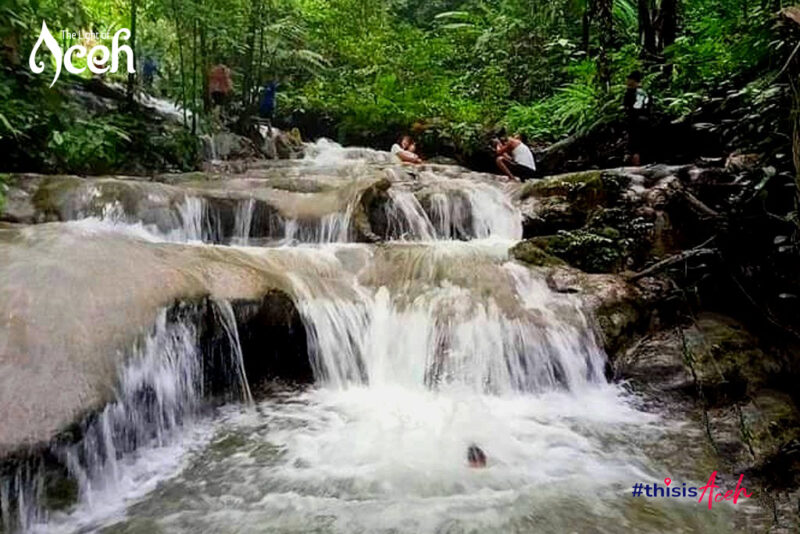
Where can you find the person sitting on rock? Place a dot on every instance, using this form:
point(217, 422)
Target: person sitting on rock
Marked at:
point(515, 159)
point(404, 150)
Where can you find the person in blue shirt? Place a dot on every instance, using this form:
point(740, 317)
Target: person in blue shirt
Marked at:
point(266, 108)
point(149, 71)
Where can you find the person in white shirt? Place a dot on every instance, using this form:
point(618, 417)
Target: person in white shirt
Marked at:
point(404, 150)
point(515, 159)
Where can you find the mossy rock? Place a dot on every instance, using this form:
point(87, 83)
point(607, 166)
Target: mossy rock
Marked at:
point(527, 252)
point(728, 361)
point(619, 321)
point(585, 190)
point(600, 251)
point(771, 426)
point(52, 194)
point(549, 215)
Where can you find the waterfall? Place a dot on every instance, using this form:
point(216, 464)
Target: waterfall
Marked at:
point(159, 390)
point(224, 313)
point(537, 341)
point(243, 222)
point(199, 223)
point(454, 209)
point(420, 346)
point(134, 440)
point(330, 228)
point(20, 497)
point(406, 218)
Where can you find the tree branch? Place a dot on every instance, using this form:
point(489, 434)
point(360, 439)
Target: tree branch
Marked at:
point(700, 250)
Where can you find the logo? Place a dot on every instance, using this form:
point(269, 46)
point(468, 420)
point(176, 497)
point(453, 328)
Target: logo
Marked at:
point(97, 57)
point(705, 492)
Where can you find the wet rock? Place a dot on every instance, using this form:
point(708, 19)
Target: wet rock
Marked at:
point(273, 339)
point(725, 360)
point(442, 160)
point(586, 190)
point(227, 145)
point(565, 202)
point(370, 218)
point(549, 215)
point(759, 435)
point(738, 162)
point(594, 251)
point(279, 144)
point(219, 208)
point(527, 252)
point(615, 304)
point(718, 370)
point(78, 332)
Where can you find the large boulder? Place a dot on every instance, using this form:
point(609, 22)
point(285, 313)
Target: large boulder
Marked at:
point(717, 368)
point(73, 302)
point(227, 145)
point(207, 206)
point(612, 220)
point(617, 307)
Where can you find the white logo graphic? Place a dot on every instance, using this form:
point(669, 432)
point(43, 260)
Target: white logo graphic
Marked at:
point(96, 58)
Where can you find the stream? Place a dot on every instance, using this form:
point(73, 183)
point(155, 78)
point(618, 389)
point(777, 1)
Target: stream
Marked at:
point(419, 346)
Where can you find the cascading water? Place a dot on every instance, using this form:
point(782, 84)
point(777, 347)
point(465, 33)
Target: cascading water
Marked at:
point(419, 348)
point(138, 439)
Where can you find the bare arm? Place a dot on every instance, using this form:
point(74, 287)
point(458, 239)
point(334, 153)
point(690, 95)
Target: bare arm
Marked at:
point(408, 157)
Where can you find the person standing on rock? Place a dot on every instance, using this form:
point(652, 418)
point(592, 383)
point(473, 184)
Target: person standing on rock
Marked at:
point(149, 71)
point(637, 115)
point(515, 159)
point(266, 108)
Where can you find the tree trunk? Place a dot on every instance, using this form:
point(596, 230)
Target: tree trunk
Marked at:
point(204, 69)
point(251, 44)
point(669, 22)
point(194, 77)
point(586, 29)
point(605, 17)
point(647, 34)
point(180, 58)
point(132, 75)
point(796, 134)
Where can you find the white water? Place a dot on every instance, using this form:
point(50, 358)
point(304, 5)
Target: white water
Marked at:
point(419, 350)
point(141, 438)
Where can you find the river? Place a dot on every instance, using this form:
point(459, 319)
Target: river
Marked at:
point(420, 346)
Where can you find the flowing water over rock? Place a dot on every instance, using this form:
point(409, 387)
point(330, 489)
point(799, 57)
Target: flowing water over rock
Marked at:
point(419, 347)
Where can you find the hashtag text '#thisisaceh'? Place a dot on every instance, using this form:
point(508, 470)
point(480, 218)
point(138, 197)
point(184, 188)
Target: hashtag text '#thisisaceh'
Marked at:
point(705, 493)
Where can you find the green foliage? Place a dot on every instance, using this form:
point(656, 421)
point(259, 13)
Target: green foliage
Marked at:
point(599, 251)
point(89, 146)
point(465, 68)
point(451, 71)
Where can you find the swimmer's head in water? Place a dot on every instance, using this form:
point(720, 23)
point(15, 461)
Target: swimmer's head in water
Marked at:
point(476, 457)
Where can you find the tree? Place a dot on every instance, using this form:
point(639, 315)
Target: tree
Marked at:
point(606, 21)
point(658, 26)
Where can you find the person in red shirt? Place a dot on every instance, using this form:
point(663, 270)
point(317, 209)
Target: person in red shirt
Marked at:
point(220, 84)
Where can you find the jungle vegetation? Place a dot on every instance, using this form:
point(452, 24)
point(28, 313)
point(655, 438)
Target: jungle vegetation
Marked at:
point(454, 71)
